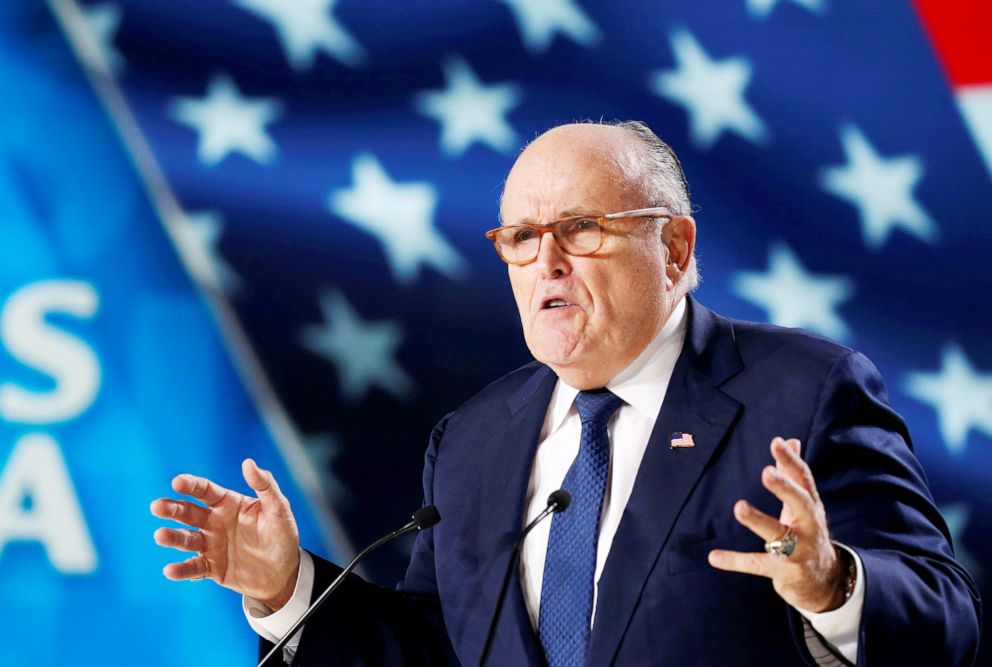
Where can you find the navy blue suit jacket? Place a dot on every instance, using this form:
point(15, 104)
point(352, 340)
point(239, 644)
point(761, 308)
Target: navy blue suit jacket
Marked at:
point(735, 386)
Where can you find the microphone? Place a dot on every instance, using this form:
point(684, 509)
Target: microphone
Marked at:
point(558, 501)
point(423, 518)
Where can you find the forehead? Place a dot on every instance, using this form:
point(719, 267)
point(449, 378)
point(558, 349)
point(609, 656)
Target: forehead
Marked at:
point(569, 170)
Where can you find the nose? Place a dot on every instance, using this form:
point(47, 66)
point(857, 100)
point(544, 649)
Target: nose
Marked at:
point(551, 261)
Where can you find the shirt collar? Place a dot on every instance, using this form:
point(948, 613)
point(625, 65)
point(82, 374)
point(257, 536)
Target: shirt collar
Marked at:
point(644, 382)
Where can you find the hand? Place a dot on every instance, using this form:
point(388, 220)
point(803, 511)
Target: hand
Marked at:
point(250, 545)
point(812, 577)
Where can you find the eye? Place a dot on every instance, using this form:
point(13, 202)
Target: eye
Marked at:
point(585, 224)
point(522, 235)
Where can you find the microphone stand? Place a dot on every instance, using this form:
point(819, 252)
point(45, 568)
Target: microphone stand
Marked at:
point(423, 518)
point(558, 501)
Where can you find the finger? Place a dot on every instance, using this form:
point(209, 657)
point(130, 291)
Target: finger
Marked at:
point(760, 564)
point(191, 568)
point(184, 540)
point(262, 482)
point(795, 498)
point(200, 488)
point(764, 526)
point(789, 462)
point(181, 511)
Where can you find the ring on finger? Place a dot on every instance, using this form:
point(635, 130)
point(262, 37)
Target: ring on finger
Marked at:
point(784, 546)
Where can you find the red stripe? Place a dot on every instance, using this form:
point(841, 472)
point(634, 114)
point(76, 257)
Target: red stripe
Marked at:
point(961, 32)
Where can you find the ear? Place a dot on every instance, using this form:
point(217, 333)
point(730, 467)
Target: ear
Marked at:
point(679, 236)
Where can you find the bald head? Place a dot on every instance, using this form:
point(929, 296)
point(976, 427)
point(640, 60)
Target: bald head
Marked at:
point(644, 165)
point(568, 160)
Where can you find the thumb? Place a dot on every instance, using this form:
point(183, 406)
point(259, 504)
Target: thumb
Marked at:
point(261, 481)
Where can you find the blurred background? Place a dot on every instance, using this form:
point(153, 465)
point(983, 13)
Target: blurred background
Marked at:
point(237, 228)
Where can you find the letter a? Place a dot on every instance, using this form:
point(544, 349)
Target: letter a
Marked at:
point(37, 470)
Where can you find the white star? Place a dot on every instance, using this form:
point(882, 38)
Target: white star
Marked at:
point(324, 449)
point(711, 91)
point(961, 396)
point(957, 516)
point(363, 352)
point(400, 215)
point(470, 111)
point(103, 22)
point(762, 8)
point(227, 121)
point(305, 27)
point(975, 104)
point(539, 20)
point(881, 189)
point(795, 298)
point(198, 237)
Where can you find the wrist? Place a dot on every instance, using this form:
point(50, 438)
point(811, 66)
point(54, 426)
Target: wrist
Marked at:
point(844, 580)
point(285, 593)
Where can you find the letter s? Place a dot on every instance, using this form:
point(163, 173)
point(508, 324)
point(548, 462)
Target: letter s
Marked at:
point(38, 344)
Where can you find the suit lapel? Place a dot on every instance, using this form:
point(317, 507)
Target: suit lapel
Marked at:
point(508, 461)
point(666, 478)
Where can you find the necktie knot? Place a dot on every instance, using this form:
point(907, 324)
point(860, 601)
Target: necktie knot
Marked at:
point(597, 405)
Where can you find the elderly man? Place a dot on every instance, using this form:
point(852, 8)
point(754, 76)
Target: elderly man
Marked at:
point(690, 539)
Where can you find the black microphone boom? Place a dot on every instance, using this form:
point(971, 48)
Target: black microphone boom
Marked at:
point(423, 518)
point(558, 501)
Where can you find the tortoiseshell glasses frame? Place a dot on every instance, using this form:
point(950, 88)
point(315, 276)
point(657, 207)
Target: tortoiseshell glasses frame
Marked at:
point(576, 235)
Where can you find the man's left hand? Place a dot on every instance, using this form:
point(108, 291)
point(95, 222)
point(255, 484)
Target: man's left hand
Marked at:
point(812, 577)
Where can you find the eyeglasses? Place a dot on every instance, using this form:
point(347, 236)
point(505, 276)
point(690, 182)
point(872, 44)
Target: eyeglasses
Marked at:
point(576, 235)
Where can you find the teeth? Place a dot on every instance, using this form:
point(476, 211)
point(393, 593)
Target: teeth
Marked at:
point(557, 303)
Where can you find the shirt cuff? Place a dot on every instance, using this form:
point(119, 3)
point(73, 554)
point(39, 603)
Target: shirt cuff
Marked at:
point(273, 625)
point(840, 626)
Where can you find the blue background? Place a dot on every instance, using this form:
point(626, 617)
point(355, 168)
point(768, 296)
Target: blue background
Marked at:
point(73, 206)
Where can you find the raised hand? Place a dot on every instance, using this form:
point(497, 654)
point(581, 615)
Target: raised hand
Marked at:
point(812, 577)
point(250, 545)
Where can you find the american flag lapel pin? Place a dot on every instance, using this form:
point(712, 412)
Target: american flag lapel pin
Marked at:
point(682, 440)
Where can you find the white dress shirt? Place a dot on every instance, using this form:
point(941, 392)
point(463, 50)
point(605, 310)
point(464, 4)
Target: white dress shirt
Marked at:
point(642, 387)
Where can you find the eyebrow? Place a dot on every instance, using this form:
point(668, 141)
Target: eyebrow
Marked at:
point(568, 213)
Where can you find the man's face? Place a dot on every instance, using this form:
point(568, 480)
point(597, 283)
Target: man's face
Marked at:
point(586, 317)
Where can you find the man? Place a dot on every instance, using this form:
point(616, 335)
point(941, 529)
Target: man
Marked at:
point(656, 414)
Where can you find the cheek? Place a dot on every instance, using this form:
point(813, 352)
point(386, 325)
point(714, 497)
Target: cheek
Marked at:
point(521, 292)
point(636, 296)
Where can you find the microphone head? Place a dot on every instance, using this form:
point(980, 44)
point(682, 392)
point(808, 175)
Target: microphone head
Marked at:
point(426, 517)
point(560, 500)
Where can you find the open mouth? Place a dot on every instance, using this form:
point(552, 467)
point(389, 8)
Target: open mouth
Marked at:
point(554, 303)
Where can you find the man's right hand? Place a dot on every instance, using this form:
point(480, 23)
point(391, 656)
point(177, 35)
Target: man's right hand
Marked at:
point(250, 545)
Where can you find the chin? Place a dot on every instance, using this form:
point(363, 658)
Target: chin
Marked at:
point(558, 356)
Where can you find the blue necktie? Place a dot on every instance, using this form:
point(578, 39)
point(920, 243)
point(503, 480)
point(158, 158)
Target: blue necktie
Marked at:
point(566, 592)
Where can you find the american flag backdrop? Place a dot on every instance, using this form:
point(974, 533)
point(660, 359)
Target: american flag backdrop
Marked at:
point(316, 176)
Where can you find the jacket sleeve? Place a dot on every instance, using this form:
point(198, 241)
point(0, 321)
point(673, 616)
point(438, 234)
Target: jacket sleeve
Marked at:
point(368, 625)
point(921, 606)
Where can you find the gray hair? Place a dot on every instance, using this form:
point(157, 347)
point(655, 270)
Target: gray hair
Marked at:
point(656, 166)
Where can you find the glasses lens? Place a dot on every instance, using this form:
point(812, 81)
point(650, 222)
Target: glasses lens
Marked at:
point(580, 235)
point(518, 244)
